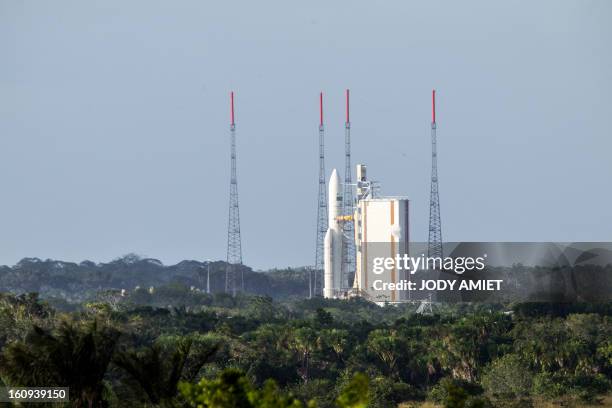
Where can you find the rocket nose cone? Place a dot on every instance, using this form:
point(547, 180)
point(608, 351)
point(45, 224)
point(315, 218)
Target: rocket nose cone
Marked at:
point(334, 184)
point(334, 176)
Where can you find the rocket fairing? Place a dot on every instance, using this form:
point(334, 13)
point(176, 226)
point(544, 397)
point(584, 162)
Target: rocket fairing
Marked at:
point(333, 239)
point(335, 201)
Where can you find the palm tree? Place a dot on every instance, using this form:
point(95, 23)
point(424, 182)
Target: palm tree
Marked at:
point(387, 346)
point(304, 342)
point(337, 340)
point(159, 374)
point(72, 356)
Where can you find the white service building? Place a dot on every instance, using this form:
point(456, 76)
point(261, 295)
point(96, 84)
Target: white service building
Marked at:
point(382, 229)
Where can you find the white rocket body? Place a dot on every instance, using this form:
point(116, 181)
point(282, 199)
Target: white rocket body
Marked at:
point(332, 253)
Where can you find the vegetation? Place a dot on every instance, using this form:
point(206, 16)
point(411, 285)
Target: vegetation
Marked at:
point(253, 351)
point(65, 284)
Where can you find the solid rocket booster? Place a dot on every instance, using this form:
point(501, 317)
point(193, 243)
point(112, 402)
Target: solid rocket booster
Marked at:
point(332, 254)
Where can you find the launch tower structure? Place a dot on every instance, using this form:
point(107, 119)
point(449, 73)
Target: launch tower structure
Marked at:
point(434, 247)
point(321, 206)
point(234, 244)
point(348, 247)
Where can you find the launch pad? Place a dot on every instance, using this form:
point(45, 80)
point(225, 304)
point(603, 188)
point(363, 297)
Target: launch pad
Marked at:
point(365, 227)
point(381, 228)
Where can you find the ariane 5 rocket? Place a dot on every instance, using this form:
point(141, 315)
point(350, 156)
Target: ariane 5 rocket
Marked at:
point(332, 252)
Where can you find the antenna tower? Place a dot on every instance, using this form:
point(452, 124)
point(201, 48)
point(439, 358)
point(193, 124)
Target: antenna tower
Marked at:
point(434, 248)
point(321, 206)
point(234, 246)
point(348, 264)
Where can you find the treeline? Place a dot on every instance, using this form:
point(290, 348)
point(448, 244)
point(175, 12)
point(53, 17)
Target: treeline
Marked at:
point(67, 284)
point(79, 282)
point(252, 351)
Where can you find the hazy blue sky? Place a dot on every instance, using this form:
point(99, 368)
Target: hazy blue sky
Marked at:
point(114, 121)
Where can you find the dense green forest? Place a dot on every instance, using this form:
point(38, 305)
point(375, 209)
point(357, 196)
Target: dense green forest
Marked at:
point(176, 347)
point(65, 285)
point(69, 282)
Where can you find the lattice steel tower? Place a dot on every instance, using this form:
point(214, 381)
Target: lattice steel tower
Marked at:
point(434, 248)
point(321, 206)
point(234, 246)
point(348, 248)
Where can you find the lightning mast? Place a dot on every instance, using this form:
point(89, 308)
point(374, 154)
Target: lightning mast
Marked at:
point(322, 203)
point(234, 246)
point(348, 264)
point(434, 248)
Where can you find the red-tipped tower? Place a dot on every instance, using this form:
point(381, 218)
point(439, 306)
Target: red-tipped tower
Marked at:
point(234, 240)
point(347, 107)
point(434, 242)
point(322, 216)
point(348, 245)
point(433, 106)
point(232, 107)
point(321, 109)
